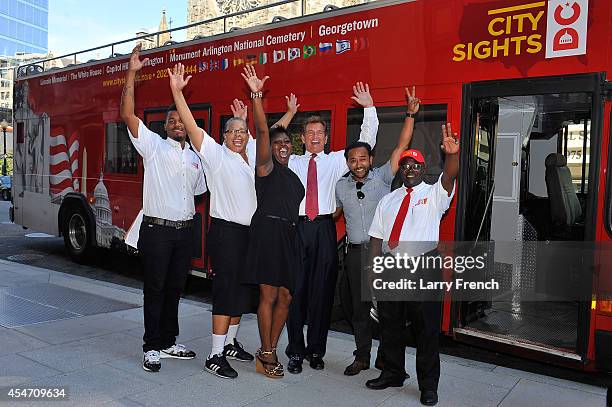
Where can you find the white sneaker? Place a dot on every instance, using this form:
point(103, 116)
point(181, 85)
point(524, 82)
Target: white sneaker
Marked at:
point(150, 361)
point(177, 351)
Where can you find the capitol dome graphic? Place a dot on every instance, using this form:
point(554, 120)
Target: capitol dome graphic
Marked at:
point(105, 230)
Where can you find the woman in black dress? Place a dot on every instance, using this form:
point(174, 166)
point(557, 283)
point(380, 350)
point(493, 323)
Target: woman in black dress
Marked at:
point(272, 258)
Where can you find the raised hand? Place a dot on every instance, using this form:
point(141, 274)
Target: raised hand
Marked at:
point(177, 77)
point(292, 104)
point(250, 77)
point(450, 143)
point(135, 63)
point(362, 95)
point(239, 109)
point(413, 102)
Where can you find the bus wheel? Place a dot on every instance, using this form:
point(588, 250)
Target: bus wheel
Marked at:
point(77, 234)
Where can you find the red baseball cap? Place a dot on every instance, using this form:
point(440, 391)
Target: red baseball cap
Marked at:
point(414, 154)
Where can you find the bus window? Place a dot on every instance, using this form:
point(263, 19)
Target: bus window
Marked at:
point(426, 136)
point(575, 147)
point(121, 156)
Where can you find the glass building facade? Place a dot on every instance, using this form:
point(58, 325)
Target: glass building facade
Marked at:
point(24, 26)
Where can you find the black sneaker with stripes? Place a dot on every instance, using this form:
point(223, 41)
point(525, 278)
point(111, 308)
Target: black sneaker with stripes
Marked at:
point(219, 366)
point(235, 351)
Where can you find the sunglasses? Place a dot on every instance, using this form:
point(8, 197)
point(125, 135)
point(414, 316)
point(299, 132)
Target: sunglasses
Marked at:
point(359, 185)
point(414, 166)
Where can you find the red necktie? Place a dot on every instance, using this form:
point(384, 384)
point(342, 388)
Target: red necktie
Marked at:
point(399, 220)
point(312, 190)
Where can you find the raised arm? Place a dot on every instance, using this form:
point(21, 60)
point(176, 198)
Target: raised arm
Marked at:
point(177, 83)
point(292, 108)
point(127, 96)
point(369, 126)
point(406, 134)
point(263, 162)
point(450, 147)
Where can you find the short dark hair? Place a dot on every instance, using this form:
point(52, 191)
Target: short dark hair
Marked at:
point(357, 144)
point(314, 119)
point(277, 131)
point(171, 108)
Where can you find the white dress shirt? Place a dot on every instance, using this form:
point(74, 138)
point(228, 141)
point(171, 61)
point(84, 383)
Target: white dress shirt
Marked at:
point(172, 176)
point(331, 167)
point(422, 223)
point(231, 181)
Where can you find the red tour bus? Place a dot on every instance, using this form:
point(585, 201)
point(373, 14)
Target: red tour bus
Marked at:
point(525, 81)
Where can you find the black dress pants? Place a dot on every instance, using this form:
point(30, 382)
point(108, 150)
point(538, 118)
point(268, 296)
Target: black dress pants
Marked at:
point(425, 318)
point(362, 324)
point(166, 258)
point(313, 296)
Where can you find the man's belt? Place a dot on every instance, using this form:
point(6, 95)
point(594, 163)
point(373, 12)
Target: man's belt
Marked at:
point(177, 224)
point(317, 219)
point(363, 245)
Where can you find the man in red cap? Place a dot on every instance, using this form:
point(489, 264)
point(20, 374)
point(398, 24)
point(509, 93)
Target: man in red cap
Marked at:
point(413, 214)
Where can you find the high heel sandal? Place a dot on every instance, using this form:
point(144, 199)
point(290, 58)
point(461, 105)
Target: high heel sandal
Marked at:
point(280, 366)
point(272, 370)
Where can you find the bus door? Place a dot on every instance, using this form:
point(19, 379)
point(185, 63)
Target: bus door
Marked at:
point(529, 167)
point(155, 120)
point(601, 306)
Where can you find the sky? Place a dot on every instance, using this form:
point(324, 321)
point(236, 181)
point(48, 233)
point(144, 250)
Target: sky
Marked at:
point(81, 24)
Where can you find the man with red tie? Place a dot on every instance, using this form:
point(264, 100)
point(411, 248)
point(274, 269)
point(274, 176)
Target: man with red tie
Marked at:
point(313, 296)
point(413, 214)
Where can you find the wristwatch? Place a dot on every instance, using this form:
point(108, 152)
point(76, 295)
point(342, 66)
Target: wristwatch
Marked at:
point(256, 95)
point(411, 115)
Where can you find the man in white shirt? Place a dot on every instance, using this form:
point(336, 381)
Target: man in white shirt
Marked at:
point(172, 176)
point(314, 290)
point(412, 214)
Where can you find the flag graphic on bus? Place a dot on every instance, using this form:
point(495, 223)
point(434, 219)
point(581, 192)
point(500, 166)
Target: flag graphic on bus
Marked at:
point(263, 58)
point(294, 53)
point(225, 64)
point(279, 55)
point(63, 163)
point(309, 50)
point(251, 59)
point(342, 46)
point(325, 46)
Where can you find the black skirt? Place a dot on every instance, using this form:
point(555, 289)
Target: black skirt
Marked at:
point(227, 245)
point(274, 253)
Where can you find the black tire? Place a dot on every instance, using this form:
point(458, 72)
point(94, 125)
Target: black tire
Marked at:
point(78, 234)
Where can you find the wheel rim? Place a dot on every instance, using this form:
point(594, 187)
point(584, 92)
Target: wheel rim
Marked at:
point(77, 232)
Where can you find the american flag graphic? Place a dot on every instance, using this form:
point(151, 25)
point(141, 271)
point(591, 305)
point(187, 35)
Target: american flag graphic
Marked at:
point(63, 163)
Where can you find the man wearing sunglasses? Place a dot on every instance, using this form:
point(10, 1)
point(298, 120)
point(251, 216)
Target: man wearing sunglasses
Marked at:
point(357, 195)
point(405, 216)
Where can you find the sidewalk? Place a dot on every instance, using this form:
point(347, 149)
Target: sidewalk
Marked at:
point(91, 344)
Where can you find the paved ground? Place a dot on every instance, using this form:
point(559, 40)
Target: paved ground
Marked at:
point(97, 356)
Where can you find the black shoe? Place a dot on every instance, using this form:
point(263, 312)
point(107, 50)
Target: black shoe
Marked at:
point(316, 361)
point(381, 383)
point(429, 398)
point(150, 361)
point(235, 351)
point(219, 366)
point(295, 364)
point(356, 367)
